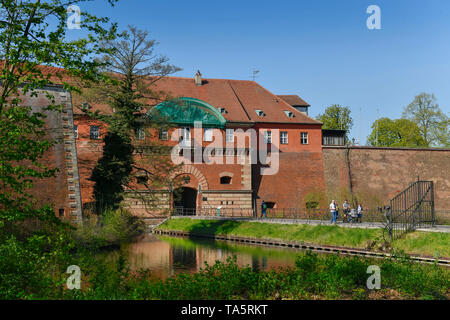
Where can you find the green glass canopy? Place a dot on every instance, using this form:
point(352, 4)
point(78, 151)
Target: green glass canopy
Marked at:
point(185, 111)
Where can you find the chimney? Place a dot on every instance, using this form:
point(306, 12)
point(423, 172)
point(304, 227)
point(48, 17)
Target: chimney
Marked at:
point(198, 78)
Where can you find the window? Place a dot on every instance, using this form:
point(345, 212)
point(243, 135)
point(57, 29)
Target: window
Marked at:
point(289, 114)
point(222, 110)
point(75, 131)
point(225, 180)
point(260, 113)
point(163, 134)
point(229, 135)
point(140, 133)
point(186, 137)
point(142, 179)
point(270, 205)
point(304, 138)
point(267, 137)
point(95, 133)
point(208, 135)
point(284, 137)
point(61, 213)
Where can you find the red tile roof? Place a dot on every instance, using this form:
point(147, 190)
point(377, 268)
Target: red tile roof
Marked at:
point(240, 98)
point(294, 100)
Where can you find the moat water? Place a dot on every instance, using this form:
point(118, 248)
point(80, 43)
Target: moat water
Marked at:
point(166, 256)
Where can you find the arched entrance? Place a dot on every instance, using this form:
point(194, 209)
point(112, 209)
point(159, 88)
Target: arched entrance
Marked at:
point(185, 201)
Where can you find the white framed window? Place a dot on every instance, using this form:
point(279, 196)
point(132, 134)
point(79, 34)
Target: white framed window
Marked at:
point(140, 133)
point(229, 136)
point(304, 137)
point(283, 137)
point(163, 134)
point(94, 133)
point(186, 137)
point(208, 134)
point(267, 136)
point(75, 131)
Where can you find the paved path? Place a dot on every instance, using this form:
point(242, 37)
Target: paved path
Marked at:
point(364, 225)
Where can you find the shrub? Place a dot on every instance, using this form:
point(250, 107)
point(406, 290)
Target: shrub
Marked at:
point(112, 228)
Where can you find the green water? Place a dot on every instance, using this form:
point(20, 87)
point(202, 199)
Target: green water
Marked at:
point(165, 256)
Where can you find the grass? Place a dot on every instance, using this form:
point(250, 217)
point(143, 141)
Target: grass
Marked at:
point(313, 277)
point(436, 244)
point(424, 243)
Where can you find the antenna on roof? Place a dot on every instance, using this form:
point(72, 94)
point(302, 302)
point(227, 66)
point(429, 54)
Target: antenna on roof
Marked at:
point(254, 73)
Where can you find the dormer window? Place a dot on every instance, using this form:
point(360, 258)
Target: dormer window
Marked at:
point(289, 114)
point(260, 113)
point(222, 111)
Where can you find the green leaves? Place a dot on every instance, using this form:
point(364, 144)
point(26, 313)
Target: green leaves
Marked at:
point(395, 133)
point(337, 117)
point(432, 123)
point(33, 34)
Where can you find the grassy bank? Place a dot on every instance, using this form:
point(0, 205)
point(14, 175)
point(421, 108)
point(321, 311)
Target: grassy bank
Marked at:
point(37, 269)
point(424, 243)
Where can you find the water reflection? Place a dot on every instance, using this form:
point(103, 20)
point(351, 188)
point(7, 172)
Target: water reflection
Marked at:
point(166, 256)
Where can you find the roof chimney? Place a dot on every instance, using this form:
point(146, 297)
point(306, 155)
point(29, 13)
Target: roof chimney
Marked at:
point(198, 78)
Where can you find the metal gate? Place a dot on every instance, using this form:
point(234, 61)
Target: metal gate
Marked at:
point(413, 208)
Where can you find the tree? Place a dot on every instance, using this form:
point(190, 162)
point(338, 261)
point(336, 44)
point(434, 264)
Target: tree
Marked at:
point(27, 43)
point(337, 117)
point(34, 257)
point(433, 124)
point(395, 133)
point(135, 67)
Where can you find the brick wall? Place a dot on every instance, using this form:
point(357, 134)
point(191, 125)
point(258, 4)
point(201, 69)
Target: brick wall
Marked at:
point(300, 179)
point(63, 191)
point(378, 174)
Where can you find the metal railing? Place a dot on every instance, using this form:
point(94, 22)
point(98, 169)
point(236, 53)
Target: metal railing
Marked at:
point(413, 208)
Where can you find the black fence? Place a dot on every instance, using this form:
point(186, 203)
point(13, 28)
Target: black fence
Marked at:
point(373, 215)
point(413, 208)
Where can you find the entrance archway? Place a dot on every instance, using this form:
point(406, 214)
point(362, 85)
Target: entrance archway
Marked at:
point(185, 201)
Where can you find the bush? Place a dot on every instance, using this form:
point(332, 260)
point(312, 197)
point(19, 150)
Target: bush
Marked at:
point(112, 228)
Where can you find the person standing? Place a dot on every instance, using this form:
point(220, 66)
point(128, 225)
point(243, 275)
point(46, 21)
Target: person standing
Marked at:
point(333, 207)
point(346, 209)
point(360, 211)
point(263, 209)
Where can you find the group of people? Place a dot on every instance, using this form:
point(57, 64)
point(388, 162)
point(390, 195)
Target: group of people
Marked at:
point(349, 214)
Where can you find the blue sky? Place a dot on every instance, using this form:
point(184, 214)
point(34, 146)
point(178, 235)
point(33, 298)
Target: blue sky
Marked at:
point(320, 50)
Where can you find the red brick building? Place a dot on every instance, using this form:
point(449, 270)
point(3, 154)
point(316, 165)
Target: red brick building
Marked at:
point(230, 110)
point(313, 165)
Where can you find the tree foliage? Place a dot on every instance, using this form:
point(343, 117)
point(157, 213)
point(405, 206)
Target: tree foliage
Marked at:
point(337, 117)
point(132, 62)
point(433, 124)
point(33, 33)
point(395, 133)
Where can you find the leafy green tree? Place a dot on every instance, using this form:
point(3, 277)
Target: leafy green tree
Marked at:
point(132, 62)
point(433, 124)
point(337, 117)
point(395, 133)
point(34, 247)
point(28, 42)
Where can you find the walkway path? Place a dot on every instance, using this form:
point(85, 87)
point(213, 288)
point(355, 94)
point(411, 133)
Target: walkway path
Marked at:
point(364, 225)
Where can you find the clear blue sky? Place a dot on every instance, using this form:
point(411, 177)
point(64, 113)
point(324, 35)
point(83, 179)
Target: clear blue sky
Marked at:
point(320, 50)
